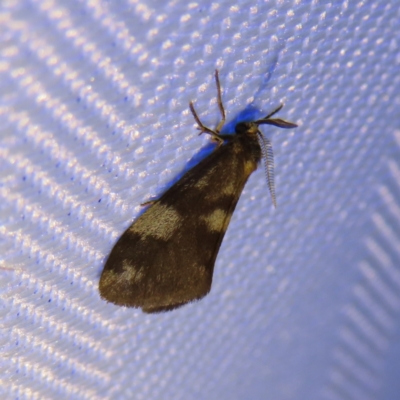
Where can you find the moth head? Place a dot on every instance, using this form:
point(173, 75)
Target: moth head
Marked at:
point(246, 128)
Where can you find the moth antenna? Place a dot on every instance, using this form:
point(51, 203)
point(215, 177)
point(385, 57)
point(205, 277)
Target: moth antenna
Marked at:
point(268, 156)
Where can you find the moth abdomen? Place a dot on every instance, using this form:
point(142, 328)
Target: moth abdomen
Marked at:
point(166, 258)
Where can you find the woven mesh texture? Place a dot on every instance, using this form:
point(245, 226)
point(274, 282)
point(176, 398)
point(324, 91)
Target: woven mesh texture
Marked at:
point(94, 121)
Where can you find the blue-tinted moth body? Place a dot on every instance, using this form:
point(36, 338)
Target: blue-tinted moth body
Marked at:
point(166, 258)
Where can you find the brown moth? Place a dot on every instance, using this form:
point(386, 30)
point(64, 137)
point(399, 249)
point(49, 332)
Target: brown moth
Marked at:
point(166, 258)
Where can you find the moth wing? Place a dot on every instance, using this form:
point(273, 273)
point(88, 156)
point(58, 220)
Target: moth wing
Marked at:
point(166, 258)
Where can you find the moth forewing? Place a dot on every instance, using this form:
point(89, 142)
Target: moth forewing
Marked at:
point(166, 258)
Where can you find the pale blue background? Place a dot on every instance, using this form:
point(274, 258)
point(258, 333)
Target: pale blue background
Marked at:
point(94, 120)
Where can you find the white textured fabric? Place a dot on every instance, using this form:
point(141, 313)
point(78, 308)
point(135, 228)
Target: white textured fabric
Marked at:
point(94, 120)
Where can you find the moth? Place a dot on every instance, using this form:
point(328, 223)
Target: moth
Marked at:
point(166, 258)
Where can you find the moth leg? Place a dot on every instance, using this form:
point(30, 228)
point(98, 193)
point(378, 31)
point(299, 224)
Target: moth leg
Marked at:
point(149, 203)
point(220, 105)
point(273, 112)
point(202, 128)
